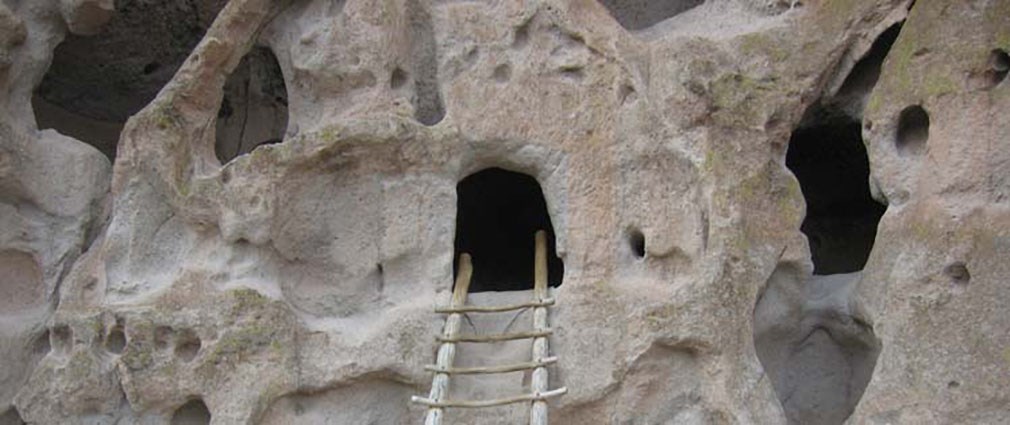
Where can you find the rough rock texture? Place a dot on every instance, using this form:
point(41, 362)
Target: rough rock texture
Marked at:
point(280, 213)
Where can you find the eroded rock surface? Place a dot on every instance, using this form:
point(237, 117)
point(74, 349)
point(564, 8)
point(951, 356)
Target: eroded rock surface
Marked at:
point(763, 211)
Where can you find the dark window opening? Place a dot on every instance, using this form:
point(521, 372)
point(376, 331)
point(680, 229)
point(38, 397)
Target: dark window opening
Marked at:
point(636, 240)
point(254, 111)
point(866, 72)
point(636, 15)
point(999, 64)
point(95, 83)
point(194, 412)
point(913, 130)
point(830, 161)
point(498, 213)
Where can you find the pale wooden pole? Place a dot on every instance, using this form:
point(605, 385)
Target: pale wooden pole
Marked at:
point(447, 351)
point(538, 409)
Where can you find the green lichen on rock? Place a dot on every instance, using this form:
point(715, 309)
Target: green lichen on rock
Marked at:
point(740, 100)
point(246, 299)
point(765, 45)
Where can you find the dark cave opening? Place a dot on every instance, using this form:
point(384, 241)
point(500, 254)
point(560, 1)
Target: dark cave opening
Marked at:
point(830, 162)
point(636, 15)
point(194, 412)
point(498, 213)
point(96, 82)
point(254, 110)
point(866, 72)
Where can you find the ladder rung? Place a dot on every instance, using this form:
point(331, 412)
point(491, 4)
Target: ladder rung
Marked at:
point(495, 337)
point(494, 309)
point(489, 403)
point(491, 369)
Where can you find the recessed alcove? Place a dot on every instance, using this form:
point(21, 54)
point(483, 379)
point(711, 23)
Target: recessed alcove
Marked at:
point(999, 66)
point(636, 15)
point(498, 213)
point(254, 110)
point(830, 161)
point(96, 82)
point(636, 241)
point(194, 412)
point(913, 131)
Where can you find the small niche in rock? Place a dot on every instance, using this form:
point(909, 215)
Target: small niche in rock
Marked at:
point(61, 339)
point(96, 82)
point(502, 73)
point(115, 341)
point(958, 273)
point(42, 345)
point(427, 100)
point(636, 15)
point(830, 162)
point(522, 36)
point(498, 212)
point(866, 72)
point(636, 241)
point(187, 345)
point(818, 356)
point(999, 66)
point(913, 131)
point(254, 111)
point(194, 412)
point(397, 79)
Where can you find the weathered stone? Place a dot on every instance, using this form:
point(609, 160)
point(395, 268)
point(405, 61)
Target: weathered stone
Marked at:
point(245, 213)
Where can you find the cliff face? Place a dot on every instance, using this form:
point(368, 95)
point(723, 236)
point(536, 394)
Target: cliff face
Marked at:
point(761, 211)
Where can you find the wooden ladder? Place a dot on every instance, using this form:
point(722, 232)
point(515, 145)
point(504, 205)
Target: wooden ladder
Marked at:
point(443, 369)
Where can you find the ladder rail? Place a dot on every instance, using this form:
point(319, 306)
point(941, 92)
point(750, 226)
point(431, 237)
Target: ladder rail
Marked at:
point(540, 350)
point(437, 400)
point(447, 351)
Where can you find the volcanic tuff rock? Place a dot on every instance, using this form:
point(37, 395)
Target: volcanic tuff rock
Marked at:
point(761, 211)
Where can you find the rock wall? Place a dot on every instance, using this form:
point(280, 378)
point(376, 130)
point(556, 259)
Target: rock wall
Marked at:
point(763, 211)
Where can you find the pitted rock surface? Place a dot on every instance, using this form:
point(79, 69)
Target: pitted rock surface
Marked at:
point(761, 211)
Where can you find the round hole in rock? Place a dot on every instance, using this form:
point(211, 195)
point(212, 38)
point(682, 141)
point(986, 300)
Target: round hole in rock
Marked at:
point(194, 412)
point(999, 64)
point(958, 273)
point(254, 110)
point(502, 73)
point(913, 130)
point(636, 240)
point(498, 213)
point(94, 83)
